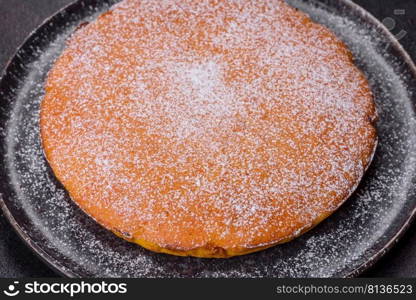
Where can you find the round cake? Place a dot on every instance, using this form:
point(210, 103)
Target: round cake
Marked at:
point(207, 128)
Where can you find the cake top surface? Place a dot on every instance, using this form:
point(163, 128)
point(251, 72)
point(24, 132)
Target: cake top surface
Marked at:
point(187, 123)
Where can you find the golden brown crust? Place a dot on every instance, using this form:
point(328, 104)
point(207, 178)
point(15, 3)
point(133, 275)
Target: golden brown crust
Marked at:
point(209, 129)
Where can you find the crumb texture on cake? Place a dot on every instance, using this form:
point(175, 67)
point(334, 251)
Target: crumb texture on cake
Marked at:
point(207, 128)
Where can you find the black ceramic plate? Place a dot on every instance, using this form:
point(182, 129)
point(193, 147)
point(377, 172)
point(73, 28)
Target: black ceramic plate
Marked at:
point(345, 244)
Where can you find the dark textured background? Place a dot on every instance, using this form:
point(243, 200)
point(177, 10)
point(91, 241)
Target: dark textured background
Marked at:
point(19, 17)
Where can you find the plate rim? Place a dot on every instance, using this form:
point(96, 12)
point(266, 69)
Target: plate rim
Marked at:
point(60, 269)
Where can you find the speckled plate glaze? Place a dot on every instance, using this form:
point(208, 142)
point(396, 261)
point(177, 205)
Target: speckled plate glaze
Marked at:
point(345, 244)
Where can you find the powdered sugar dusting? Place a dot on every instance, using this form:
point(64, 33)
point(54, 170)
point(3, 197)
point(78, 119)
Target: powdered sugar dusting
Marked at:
point(233, 123)
point(334, 248)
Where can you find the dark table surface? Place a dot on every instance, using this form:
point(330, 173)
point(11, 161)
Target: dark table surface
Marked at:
point(19, 17)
